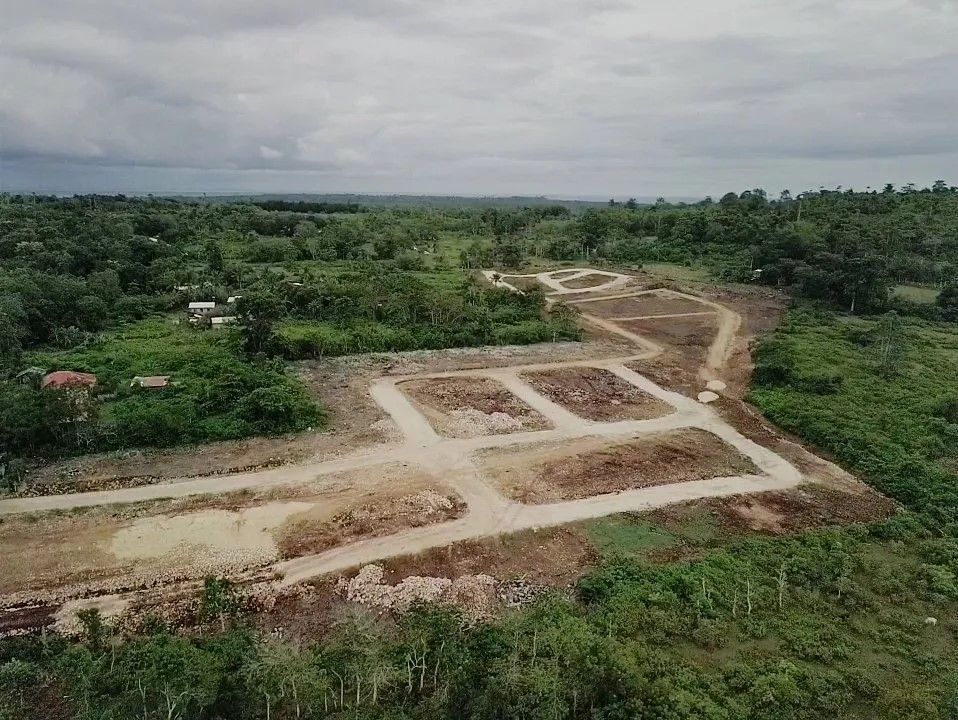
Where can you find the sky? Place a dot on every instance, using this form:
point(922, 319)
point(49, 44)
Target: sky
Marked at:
point(574, 98)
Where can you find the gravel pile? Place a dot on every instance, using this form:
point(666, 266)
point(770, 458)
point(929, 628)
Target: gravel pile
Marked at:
point(474, 594)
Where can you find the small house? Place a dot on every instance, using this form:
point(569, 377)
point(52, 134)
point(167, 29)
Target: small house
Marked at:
point(201, 307)
point(232, 299)
point(224, 320)
point(151, 381)
point(68, 379)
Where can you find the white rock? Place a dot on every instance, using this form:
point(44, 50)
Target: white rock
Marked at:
point(716, 385)
point(931, 621)
point(707, 396)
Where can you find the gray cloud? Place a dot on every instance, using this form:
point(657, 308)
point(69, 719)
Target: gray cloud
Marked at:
point(499, 96)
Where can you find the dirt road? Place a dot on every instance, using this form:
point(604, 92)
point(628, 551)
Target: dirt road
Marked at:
point(451, 459)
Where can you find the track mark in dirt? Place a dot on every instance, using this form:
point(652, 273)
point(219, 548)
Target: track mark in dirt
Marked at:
point(597, 394)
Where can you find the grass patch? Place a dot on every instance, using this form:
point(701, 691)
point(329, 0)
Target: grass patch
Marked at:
point(916, 293)
point(624, 536)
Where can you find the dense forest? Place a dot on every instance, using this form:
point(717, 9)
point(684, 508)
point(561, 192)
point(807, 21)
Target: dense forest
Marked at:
point(843, 622)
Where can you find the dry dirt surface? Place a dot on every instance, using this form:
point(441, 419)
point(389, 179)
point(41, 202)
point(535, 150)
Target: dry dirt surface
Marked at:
point(597, 394)
point(313, 531)
point(553, 557)
point(657, 302)
point(119, 547)
point(465, 407)
point(554, 474)
point(348, 505)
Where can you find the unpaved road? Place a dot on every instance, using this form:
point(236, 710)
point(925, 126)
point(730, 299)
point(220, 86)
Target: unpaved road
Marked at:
point(451, 459)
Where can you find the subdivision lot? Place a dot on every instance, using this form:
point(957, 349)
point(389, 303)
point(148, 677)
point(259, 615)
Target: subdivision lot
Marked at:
point(114, 548)
point(597, 394)
point(553, 473)
point(464, 407)
point(642, 305)
point(586, 281)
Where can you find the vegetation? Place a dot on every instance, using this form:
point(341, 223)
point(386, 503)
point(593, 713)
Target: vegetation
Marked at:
point(101, 284)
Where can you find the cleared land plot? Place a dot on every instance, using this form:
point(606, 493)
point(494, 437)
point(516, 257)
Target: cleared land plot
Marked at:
point(314, 531)
point(695, 333)
point(687, 530)
point(597, 394)
point(464, 407)
point(522, 283)
point(554, 472)
point(551, 556)
point(641, 305)
point(916, 293)
point(114, 548)
point(587, 281)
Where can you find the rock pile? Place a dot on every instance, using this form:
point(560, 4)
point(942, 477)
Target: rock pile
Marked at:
point(474, 594)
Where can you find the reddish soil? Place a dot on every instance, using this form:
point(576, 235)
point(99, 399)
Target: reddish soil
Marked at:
point(771, 513)
point(597, 394)
point(451, 405)
point(564, 473)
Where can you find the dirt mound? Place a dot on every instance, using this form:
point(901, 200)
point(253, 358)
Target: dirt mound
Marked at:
point(474, 594)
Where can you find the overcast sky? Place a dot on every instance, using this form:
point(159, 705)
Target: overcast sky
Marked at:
point(563, 97)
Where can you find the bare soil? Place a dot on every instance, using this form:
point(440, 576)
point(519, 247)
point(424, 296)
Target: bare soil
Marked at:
point(586, 281)
point(523, 283)
point(551, 556)
point(572, 472)
point(113, 548)
point(314, 532)
point(597, 394)
point(340, 384)
point(640, 305)
point(472, 406)
point(770, 513)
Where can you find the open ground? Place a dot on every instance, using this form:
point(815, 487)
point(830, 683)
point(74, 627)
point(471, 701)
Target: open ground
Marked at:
point(457, 450)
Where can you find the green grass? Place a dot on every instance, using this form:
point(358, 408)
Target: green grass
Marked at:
point(623, 536)
point(677, 273)
point(916, 293)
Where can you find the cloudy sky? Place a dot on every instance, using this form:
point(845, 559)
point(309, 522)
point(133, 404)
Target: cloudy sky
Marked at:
point(563, 97)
